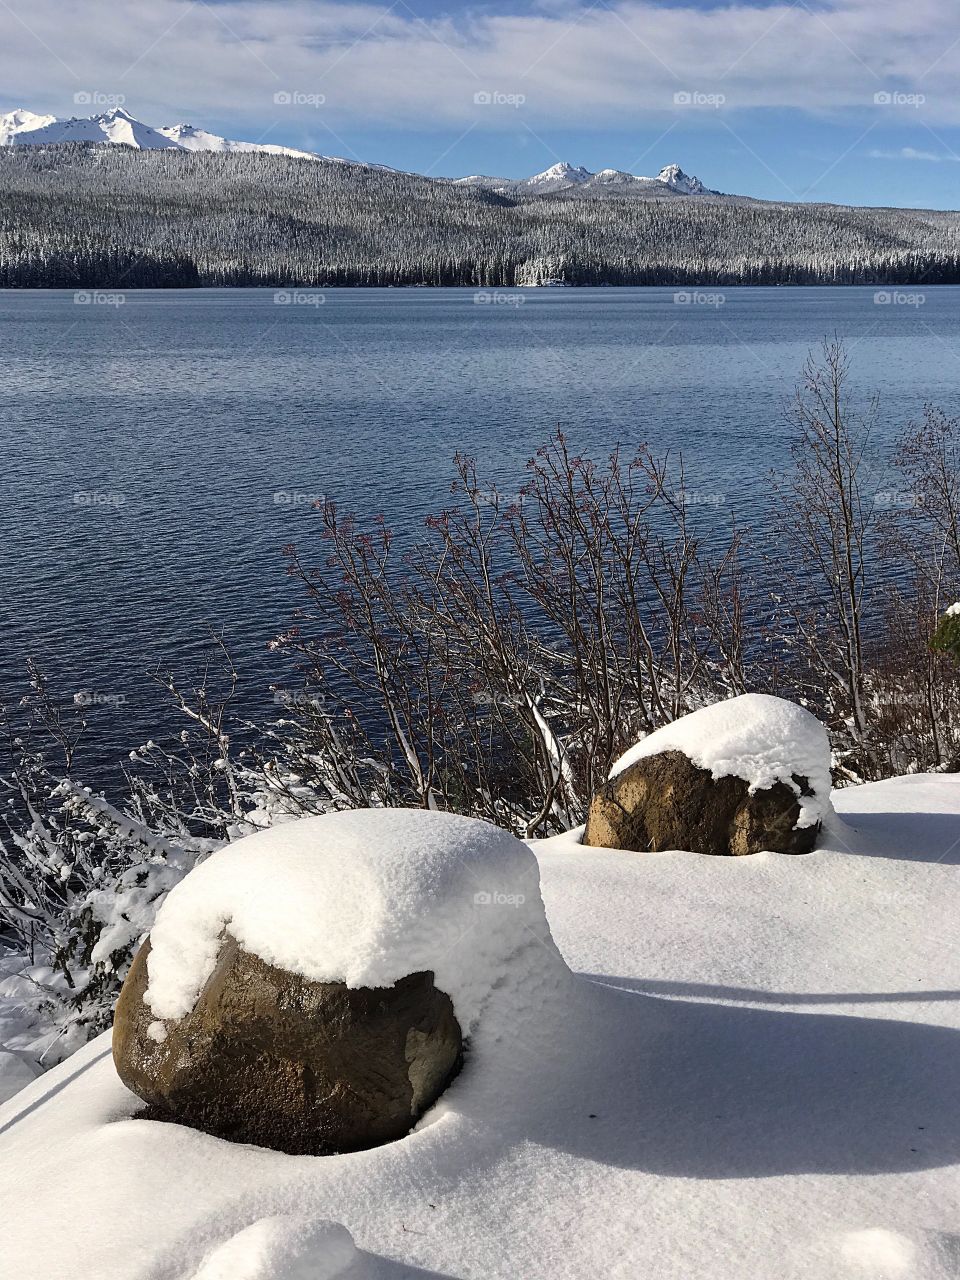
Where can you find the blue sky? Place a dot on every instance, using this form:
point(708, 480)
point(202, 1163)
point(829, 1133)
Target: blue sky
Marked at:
point(842, 100)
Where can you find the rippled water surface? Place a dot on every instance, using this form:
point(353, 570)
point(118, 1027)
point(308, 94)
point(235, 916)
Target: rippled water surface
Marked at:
point(159, 453)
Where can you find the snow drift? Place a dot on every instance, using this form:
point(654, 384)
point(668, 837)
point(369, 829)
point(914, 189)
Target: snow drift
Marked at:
point(756, 1073)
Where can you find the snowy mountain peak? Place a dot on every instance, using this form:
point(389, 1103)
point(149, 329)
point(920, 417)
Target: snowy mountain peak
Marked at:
point(19, 121)
point(118, 126)
point(557, 177)
point(563, 170)
point(115, 125)
point(674, 177)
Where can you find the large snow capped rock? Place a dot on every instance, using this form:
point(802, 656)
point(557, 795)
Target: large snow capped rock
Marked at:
point(738, 777)
point(309, 987)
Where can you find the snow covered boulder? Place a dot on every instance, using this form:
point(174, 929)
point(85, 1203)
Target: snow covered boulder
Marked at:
point(309, 987)
point(738, 777)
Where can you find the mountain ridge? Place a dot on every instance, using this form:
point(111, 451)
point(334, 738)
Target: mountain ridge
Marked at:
point(564, 177)
point(118, 127)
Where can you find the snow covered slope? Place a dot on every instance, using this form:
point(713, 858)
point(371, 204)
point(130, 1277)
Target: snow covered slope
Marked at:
point(755, 1076)
point(190, 138)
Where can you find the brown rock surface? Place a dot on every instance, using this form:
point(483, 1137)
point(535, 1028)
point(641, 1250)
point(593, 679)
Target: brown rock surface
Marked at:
point(271, 1058)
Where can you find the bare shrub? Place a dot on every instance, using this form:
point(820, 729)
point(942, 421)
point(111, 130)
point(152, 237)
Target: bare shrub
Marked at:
point(499, 666)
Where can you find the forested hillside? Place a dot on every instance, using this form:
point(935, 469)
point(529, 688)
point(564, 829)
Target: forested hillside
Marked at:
point(77, 216)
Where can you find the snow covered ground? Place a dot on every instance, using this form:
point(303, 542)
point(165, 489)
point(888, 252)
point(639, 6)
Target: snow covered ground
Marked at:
point(755, 1074)
point(25, 1037)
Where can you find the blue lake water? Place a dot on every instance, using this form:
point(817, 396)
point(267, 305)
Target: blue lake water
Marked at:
point(157, 454)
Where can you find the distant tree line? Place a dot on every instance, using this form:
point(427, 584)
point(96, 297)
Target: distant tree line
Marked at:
point(83, 216)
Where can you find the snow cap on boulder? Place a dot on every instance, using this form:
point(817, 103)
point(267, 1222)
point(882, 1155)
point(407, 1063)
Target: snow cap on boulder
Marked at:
point(365, 897)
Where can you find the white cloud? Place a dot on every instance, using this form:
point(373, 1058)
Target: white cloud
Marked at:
point(572, 65)
point(912, 153)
